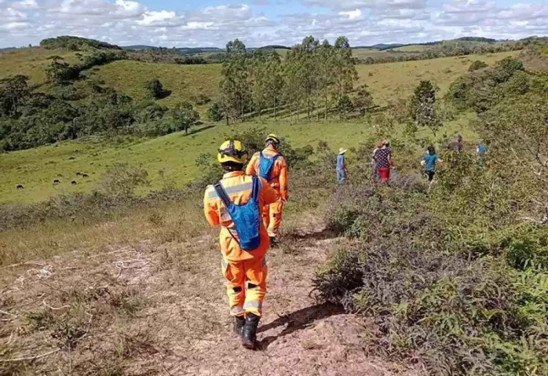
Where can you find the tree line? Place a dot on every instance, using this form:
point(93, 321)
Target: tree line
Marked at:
point(315, 78)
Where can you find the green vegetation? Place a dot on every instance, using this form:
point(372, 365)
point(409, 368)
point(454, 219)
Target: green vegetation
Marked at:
point(451, 276)
point(75, 43)
point(456, 279)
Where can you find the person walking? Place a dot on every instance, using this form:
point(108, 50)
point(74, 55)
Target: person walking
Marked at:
point(342, 171)
point(429, 162)
point(271, 165)
point(457, 145)
point(481, 151)
point(235, 204)
point(383, 161)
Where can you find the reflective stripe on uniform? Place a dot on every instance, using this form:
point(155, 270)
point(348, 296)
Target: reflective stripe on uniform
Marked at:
point(231, 190)
point(237, 310)
point(256, 305)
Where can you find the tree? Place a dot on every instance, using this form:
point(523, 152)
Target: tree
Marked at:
point(60, 72)
point(267, 80)
point(363, 99)
point(344, 106)
point(13, 92)
point(235, 85)
point(215, 112)
point(344, 72)
point(185, 116)
point(155, 89)
point(423, 106)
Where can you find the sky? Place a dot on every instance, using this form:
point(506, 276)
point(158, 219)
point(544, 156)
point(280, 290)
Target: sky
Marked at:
point(212, 23)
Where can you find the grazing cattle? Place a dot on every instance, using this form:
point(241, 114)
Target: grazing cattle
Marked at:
point(78, 173)
point(20, 186)
point(56, 181)
point(85, 175)
point(74, 182)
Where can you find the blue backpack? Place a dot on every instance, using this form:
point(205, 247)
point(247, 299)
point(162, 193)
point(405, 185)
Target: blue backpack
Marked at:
point(265, 165)
point(246, 217)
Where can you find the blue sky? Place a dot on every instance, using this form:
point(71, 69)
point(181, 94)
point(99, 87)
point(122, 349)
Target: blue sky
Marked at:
point(259, 22)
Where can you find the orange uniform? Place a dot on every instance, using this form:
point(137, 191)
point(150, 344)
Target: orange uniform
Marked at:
point(240, 266)
point(272, 214)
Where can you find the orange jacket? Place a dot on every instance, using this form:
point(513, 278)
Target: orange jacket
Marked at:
point(278, 174)
point(239, 188)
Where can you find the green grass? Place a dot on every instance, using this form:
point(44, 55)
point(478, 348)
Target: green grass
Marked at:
point(391, 81)
point(171, 159)
point(32, 62)
point(168, 159)
point(185, 81)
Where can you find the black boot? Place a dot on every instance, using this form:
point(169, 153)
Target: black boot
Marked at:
point(249, 333)
point(239, 322)
point(274, 242)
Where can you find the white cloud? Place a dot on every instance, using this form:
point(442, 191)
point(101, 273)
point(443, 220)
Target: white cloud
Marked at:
point(362, 21)
point(153, 18)
point(352, 14)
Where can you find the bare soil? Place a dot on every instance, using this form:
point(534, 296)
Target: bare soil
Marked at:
point(161, 310)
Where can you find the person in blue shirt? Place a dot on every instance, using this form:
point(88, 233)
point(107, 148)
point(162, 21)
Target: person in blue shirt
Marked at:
point(429, 162)
point(342, 171)
point(481, 150)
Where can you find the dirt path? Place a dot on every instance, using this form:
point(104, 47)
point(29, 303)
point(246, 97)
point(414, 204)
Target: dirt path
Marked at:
point(149, 309)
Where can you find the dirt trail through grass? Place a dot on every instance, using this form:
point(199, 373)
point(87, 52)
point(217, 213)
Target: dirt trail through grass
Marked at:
point(150, 309)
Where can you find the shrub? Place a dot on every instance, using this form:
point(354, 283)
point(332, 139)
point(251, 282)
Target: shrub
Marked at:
point(121, 180)
point(476, 65)
point(432, 302)
point(215, 112)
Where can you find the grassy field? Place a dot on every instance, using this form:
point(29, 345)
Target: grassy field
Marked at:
point(387, 81)
point(32, 62)
point(171, 159)
point(185, 81)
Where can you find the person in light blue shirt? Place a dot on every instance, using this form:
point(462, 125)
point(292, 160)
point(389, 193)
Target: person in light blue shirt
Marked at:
point(342, 171)
point(429, 162)
point(481, 150)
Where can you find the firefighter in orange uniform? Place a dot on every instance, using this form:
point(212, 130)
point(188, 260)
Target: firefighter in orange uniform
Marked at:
point(271, 165)
point(235, 204)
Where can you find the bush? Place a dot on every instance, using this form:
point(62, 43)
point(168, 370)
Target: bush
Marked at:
point(432, 302)
point(215, 112)
point(476, 65)
point(121, 180)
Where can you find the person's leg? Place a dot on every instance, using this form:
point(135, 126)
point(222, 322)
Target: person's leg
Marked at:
point(266, 216)
point(275, 221)
point(234, 273)
point(384, 174)
point(256, 272)
point(430, 175)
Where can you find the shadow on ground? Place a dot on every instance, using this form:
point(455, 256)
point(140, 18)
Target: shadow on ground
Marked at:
point(298, 320)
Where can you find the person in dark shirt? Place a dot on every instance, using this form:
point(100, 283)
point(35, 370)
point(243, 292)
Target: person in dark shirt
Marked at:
point(457, 145)
point(383, 161)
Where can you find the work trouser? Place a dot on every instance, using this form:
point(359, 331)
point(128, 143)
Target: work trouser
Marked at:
point(272, 217)
point(245, 286)
point(341, 176)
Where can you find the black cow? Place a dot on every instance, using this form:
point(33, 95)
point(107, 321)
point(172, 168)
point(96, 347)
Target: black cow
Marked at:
point(20, 186)
point(56, 181)
point(74, 182)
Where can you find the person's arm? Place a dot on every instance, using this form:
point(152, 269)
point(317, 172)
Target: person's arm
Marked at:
point(210, 209)
point(251, 169)
point(268, 194)
point(284, 188)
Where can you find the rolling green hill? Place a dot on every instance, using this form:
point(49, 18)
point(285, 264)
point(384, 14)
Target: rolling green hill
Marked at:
point(172, 158)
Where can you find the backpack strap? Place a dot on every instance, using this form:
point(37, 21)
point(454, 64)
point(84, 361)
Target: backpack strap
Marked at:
point(256, 188)
point(222, 194)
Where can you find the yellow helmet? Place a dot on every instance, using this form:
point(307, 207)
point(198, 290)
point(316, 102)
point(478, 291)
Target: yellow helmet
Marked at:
point(232, 151)
point(272, 137)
